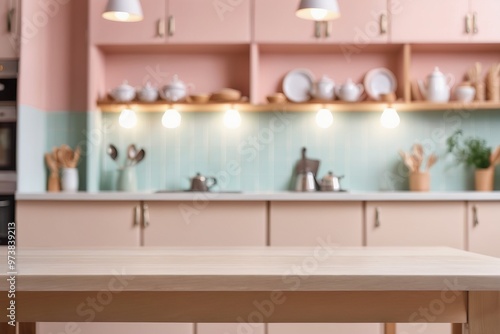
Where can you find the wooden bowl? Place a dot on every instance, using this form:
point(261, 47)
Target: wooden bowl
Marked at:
point(226, 95)
point(199, 98)
point(276, 98)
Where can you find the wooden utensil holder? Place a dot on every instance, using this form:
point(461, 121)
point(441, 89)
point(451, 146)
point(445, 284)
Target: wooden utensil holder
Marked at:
point(54, 185)
point(420, 181)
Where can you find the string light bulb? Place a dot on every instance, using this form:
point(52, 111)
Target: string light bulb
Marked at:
point(324, 118)
point(171, 119)
point(127, 119)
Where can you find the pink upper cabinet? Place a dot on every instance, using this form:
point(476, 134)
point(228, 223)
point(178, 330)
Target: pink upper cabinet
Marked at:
point(145, 32)
point(176, 21)
point(485, 22)
point(427, 21)
point(8, 40)
point(361, 21)
point(208, 21)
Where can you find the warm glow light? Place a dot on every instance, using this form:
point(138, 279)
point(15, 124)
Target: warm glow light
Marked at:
point(120, 16)
point(390, 118)
point(318, 14)
point(171, 119)
point(128, 119)
point(232, 119)
point(324, 118)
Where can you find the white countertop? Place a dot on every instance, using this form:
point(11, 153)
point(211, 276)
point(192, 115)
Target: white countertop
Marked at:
point(262, 196)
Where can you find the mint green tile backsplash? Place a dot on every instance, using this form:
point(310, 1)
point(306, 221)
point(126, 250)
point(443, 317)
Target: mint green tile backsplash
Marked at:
point(69, 128)
point(261, 154)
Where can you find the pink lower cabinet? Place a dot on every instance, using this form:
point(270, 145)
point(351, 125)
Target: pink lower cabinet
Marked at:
point(484, 227)
point(203, 223)
point(208, 224)
point(416, 224)
point(322, 224)
point(78, 223)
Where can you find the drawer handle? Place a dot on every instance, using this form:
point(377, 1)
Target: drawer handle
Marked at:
point(474, 23)
point(468, 24)
point(383, 24)
point(317, 29)
point(328, 28)
point(146, 215)
point(171, 25)
point(137, 215)
point(377, 218)
point(475, 218)
point(2, 87)
point(161, 28)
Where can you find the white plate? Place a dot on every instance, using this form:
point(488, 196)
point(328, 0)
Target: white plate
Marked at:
point(297, 85)
point(379, 81)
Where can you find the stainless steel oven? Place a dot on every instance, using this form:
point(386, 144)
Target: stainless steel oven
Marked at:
point(8, 144)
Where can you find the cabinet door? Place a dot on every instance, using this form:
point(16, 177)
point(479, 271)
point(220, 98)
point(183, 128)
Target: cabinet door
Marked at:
point(415, 224)
point(8, 43)
point(305, 223)
point(429, 21)
point(209, 21)
point(204, 223)
point(77, 224)
point(484, 227)
point(275, 21)
point(312, 224)
point(487, 23)
point(209, 224)
point(144, 32)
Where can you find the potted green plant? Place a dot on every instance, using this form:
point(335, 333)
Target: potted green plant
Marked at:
point(476, 153)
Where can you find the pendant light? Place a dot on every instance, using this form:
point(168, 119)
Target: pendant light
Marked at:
point(318, 10)
point(123, 11)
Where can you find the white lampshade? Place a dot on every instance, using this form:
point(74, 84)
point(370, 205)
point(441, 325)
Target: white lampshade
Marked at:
point(123, 11)
point(318, 10)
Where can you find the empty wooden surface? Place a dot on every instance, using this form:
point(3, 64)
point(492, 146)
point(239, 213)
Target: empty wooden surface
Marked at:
point(320, 268)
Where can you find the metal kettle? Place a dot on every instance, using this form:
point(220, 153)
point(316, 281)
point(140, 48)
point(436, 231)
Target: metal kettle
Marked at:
point(305, 181)
point(331, 182)
point(202, 183)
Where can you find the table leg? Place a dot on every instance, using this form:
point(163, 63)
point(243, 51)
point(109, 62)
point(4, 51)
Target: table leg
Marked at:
point(484, 312)
point(457, 328)
point(391, 328)
point(27, 327)
point(7, 329)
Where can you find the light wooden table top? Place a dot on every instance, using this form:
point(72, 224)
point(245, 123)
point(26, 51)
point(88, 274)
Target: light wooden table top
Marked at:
point(254, 269)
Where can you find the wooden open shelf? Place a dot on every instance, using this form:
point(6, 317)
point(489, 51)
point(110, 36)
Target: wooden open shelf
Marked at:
point(336, 106)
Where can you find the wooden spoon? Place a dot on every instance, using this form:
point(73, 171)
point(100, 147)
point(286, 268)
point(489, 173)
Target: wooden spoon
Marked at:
point(431, 161)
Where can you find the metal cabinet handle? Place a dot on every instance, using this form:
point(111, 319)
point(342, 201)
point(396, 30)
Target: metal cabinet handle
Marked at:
point(146, 219)
point(328, 28)
point(383, 24)
point(10, 17)
point(137, 215)
point(474, 23)
point(171, 25)
point(317, 29)
point(475, 218)
point(468, 23)
point(377, 218)
point(161, 28)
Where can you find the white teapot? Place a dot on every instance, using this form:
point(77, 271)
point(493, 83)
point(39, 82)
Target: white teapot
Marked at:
point(175, 91)
point(147, 93)
point(323, 89)
point(438, 86)
point(123, 93)
point(350, 91)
